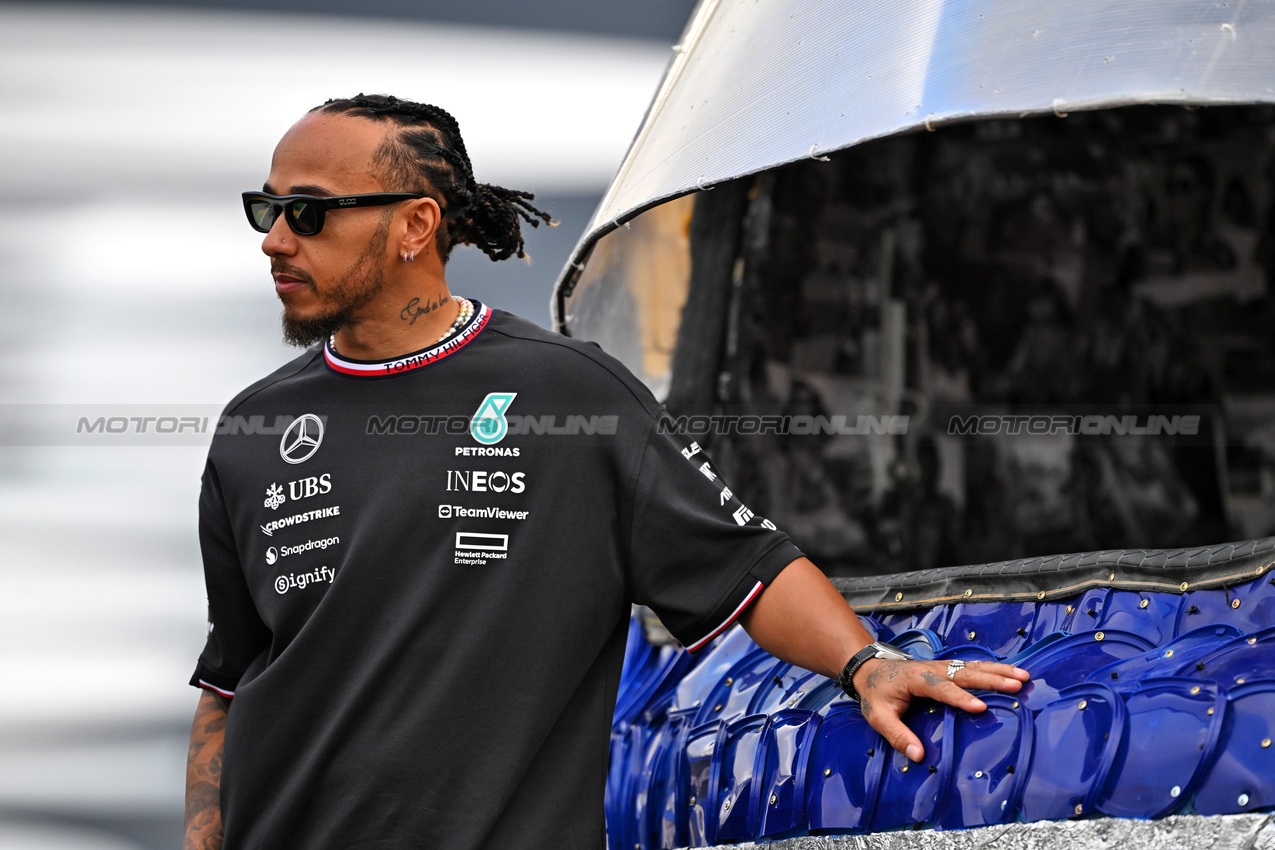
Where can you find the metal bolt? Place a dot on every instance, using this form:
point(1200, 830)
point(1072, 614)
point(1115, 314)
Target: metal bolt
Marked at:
point(1144, 603)
point(1040, 595)
point(1111, 576)
point(1070, 609)
point(730, 680)
point(1240, 681)
point(1266, 742)
point(1168, 653)
point(931, 710)
point(1235, 603)
point(978, 774)
point(1195, 689)
point(968, 593)
point(1243, 800)
point(1079, 809)
point(1175, 791)
point(727, 806)
point(1210, 711)
point(1004, 803)
point(1084, 703)
point(827, 771)
point(774, 798)
point(692, 799)
point(717, 707)
point(1184, 585)
point(898, 597)
point(1099, 636)
point(971, 635)
point(1015, 703)
point(903, 769)
point(1252, 641)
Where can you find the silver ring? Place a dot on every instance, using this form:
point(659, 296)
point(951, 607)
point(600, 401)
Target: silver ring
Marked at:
point(954, 665)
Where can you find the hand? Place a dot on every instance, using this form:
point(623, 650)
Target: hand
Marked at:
point(886, 689)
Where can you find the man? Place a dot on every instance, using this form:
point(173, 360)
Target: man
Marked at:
point(416, 629)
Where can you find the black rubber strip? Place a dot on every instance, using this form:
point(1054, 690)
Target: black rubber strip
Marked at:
point(1061, 576)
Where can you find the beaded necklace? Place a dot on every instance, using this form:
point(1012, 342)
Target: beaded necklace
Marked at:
point(466, 312)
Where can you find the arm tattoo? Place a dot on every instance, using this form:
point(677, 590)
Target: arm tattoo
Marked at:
point(203, 775)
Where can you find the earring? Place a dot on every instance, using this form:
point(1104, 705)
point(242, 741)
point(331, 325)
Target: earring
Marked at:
point(409, 256)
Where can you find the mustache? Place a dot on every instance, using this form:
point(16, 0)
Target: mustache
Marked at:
point(280, 267)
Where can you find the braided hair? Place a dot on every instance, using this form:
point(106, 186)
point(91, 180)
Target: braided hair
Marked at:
point(427, 156)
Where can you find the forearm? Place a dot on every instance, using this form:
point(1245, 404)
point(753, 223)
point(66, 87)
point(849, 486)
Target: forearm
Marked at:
point(203, 774)
point(802, 619)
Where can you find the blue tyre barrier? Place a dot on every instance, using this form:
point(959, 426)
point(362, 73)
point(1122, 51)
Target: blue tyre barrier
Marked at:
point(1152, 693)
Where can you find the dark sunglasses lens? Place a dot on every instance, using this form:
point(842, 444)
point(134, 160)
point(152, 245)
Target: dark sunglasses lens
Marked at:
point(261, 215)
point(304, 217)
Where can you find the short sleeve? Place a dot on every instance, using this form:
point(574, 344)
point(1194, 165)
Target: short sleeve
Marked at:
point(698, 554)
point(236, 634)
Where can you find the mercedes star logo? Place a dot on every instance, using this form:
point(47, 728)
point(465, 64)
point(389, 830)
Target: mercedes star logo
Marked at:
point(302, 439)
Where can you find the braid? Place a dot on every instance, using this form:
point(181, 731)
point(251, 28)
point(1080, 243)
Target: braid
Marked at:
point(498, 213)
point(428, 156)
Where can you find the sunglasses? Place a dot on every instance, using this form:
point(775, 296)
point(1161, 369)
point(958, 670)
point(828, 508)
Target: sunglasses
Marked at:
point(304, 213)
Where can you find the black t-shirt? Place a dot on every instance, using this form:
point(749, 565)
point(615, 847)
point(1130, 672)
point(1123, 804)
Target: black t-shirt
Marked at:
point(419, 576)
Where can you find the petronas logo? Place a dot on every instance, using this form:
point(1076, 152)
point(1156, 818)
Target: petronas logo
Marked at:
point(489, 425)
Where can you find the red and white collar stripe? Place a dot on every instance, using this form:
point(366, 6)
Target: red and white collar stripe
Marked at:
point(415, 360)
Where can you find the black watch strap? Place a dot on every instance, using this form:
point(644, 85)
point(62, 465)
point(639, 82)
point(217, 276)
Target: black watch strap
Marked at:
point(872, 650)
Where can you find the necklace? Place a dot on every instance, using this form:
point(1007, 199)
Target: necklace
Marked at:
point(465, 314)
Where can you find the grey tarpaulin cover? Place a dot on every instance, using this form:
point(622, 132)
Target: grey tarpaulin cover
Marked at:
point(755, 85)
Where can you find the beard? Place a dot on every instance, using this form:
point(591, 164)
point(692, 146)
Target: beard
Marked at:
point(360, 283)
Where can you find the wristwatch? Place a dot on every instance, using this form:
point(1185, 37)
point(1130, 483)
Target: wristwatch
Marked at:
point(872, 650)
